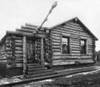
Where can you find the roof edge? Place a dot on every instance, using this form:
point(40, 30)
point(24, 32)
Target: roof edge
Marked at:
point(79, 22)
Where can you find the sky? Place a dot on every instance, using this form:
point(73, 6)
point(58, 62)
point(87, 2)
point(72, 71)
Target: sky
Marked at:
point(15, 13)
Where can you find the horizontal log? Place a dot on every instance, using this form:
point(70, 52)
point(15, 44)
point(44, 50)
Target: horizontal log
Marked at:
point(17, 55)
point(56, 33)
point(71, 30)
point(26, 30)
point(60, 30)
point(56, 53)
point(3, 58)
point(19, 61)
point(3, 55)
point(18, 44)
point(65, 56)
point(55, 43)
point(56, 50)
point(18, 48)
point(8, 48)
point(86, 57)
point(15, 37)
point(64, 62)
point(3, 52)
point(74, 26)
point(3, 61)
point(18, 41)
point(19, 58)
point(55, 38)
point(19, 64)
point(58, 42)
point(24, 34)
point(73, 23)
point(20, 52)
point(75, 45)
point(75, 49)
point(72, 51)
point(60, 62)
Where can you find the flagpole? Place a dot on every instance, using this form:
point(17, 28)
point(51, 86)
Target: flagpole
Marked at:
point(53, 6)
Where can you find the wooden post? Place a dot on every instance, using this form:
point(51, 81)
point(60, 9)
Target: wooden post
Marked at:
point(42, 51)
point(24, 55)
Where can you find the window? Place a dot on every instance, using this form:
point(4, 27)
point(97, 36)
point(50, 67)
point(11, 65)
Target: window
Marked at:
point(65, 45)
point(83, 46)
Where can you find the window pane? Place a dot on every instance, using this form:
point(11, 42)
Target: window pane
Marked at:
point(83, 46)
point(64, 40)
point(65, 45)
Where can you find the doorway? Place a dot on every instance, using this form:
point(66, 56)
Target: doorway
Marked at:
point(33, 49)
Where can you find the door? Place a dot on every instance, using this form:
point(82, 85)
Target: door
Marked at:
point(30, 51)
point(33, 50)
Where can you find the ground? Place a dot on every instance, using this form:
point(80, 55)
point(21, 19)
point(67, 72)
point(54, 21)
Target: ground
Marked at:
point(76, 79)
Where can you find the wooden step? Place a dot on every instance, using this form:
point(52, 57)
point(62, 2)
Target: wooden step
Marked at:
point(41, 74)
point(36, 69)
point(34, 66)
point(40, 71)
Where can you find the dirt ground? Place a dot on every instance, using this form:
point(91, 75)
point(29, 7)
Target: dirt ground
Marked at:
point(89, 80)
point(83, 79)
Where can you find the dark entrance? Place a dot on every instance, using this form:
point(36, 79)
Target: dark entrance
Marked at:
point(33, 50)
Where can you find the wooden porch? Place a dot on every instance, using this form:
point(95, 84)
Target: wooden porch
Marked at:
point(35, 56)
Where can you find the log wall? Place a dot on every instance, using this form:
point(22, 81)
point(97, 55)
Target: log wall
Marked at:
point(3, 58)
point(14, 49)
point(75, 32)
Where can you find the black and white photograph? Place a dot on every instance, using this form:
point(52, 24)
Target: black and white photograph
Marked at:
point(49, 43)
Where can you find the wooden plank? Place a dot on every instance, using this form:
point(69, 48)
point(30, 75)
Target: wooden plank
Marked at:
point(71, 31)
point(56, 40)
point(26, 30)
point(62, 62)
point(18, 44)
point(86, 57)
point(56, 53)
point(19, 65)
point(2, 56)
point(18, 52)
point(56, 50)
point(18, 41)
point(18, 48)
point(24, 55)
point(75, 52)
point(73, 23)
point(3, 61)
point(42, 51)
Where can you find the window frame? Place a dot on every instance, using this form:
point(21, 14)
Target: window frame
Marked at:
point(68, 38)
point(85, 40)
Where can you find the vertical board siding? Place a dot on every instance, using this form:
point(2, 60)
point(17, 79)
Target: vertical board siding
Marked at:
point(76, 32)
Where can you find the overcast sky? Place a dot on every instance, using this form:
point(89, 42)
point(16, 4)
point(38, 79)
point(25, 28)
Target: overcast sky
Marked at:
point(14, 13)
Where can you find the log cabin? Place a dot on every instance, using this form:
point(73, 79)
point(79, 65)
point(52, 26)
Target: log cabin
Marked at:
point(27, 50)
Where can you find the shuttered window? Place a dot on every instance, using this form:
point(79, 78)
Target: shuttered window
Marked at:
point(83, 46)
point(65, 45)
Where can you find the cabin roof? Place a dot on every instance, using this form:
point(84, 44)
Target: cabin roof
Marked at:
point(80, 22)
